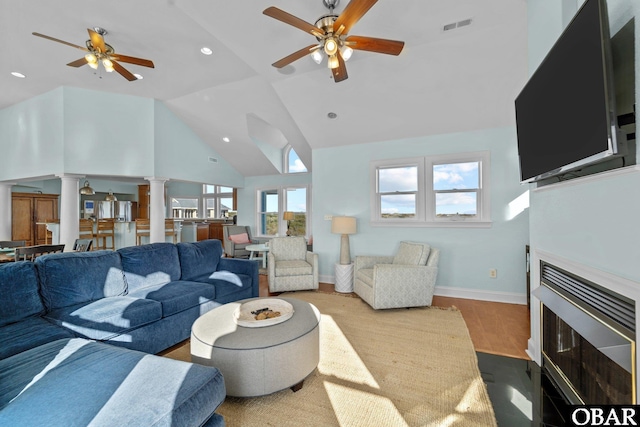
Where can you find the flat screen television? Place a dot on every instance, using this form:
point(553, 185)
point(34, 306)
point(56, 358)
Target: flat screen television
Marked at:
point(565, 114)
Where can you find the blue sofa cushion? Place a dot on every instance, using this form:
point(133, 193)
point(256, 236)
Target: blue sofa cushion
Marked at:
point(79, 383)
point(108, 317)
point(150, 265)
point(72, 278)
point(19, 297)
point(228, 292)
point(177, 296)
point(199, 259)
point(29, 333)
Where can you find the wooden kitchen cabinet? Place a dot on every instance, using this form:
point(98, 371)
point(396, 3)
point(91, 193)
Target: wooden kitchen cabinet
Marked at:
point(143, 201)
point(29, 209)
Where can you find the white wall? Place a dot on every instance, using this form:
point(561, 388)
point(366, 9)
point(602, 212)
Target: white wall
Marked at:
point(32, 137)
point(341, 186)
point(590, 221)
point(84, 132)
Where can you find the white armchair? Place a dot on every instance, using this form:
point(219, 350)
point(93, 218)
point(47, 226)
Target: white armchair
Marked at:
point(405, 280)
point(291, 267)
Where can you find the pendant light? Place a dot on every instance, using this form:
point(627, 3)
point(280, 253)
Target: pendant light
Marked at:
point(110, 197)
point(86, 190)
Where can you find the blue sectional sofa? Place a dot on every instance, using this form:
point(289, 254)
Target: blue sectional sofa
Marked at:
point(79, 331)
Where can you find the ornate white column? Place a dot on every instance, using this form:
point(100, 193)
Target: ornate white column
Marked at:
point(69, 209)
point(5, 210)
point(156, 209)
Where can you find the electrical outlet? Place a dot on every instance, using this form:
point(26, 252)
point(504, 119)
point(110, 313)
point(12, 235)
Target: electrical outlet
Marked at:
point(328, 217)
point(493, 273)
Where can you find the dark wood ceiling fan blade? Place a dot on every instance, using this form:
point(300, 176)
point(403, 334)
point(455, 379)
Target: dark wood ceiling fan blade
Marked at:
point(351, 14)
point(61, 41)
point(390, 47)
point(288, 18)
point(96, 40)
point(295, 56)
point(133, 60)
point(78, 62)
point(340, 72)
point(123, 71)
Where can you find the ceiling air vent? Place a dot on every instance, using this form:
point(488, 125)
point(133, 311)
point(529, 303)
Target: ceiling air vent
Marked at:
point(213, 160)
point(459, 24)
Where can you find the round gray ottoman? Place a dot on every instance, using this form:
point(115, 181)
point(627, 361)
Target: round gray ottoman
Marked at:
point(258, 361)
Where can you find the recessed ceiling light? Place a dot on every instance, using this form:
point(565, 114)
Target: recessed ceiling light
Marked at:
point(139, 76)
point(17, 74)
point(332, 115)
point(206, 51)
point(226, 139)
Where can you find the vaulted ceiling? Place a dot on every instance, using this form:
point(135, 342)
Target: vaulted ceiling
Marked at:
point(443, 81)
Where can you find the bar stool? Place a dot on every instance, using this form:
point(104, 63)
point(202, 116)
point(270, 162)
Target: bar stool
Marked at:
point(85, 230)
point(143, 229)
point(170, 229)
point(105, 229)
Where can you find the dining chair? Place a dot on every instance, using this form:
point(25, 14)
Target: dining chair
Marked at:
point(30, 253)
point(82, 245)
point(170, 229)
point(85, 229)
point(12, 243)
point(143, 229)
point(105, 230)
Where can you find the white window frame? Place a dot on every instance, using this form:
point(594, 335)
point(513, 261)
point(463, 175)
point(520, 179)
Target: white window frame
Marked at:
point(216, 196)
point(426, 196)
point(282, 206)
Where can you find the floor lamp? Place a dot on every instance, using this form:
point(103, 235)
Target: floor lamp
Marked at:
point(344, 225)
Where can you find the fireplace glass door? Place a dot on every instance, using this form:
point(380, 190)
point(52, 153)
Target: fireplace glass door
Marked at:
point(594, 377)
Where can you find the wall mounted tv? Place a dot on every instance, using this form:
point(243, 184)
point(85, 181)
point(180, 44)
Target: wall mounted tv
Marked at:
point(565, 114)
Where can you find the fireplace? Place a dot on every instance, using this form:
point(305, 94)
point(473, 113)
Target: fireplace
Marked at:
point(588, 338)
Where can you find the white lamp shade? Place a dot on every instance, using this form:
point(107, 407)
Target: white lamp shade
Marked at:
point(343, 225)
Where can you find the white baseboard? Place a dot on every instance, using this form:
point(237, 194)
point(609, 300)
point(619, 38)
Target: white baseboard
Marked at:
point(495, 296)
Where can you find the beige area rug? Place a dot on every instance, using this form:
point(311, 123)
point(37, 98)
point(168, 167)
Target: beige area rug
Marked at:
point(405, 367)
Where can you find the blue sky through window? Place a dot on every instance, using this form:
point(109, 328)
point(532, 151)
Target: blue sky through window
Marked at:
point(456, 176)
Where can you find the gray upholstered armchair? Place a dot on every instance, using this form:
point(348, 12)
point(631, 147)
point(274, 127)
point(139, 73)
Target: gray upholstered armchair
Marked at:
point(405, 280)
point(291, 267)
point(235, 240)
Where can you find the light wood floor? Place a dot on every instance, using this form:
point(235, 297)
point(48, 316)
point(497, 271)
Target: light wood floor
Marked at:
point(495, 328)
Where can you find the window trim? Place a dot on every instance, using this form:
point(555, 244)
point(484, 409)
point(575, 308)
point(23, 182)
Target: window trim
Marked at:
point(425, 198)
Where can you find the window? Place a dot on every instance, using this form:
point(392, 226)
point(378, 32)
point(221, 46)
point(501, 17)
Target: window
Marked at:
point(292, 162)
point(296, 201)
point(456, 186)
point(268, 212)
point(447, 191)
point(218, 200)
point(184, 207)
point(271, 205)
point(398, 191)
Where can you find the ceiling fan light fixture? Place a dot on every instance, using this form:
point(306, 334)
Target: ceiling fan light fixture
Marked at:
point(108, 65)
point(91, 58)
point(346, 52)
point(316, 56)
point(330, 46)
point(333, 62)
